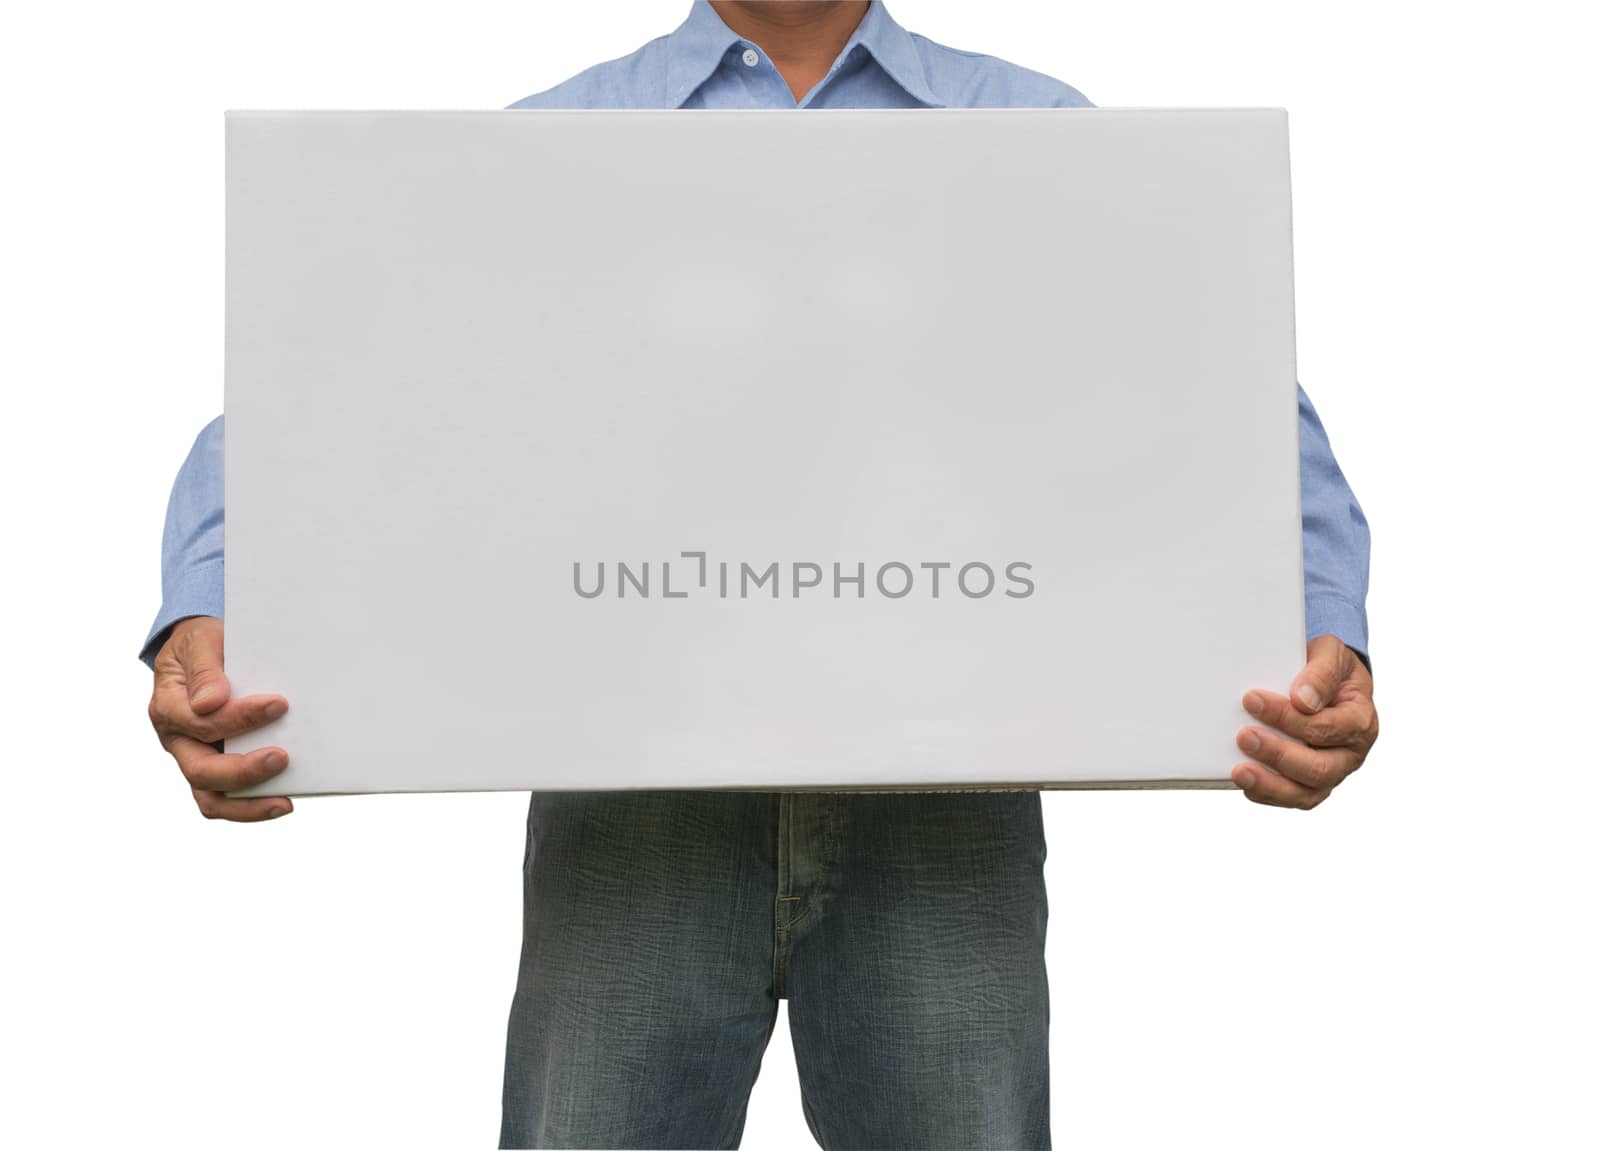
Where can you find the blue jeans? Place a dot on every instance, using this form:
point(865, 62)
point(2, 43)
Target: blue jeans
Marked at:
point(661, 928)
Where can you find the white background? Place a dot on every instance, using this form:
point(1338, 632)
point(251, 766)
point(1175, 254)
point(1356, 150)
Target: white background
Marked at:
point(1410, 965)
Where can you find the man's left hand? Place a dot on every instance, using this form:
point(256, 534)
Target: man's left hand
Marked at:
point(1329, 714)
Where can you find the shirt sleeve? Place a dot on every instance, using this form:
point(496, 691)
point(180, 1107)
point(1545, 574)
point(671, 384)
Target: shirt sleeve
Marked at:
point(1337, 542)
point(191, 541)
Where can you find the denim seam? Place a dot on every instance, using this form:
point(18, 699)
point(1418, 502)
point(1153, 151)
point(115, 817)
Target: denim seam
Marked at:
point(778, 934)
point(830, 853)
point(801, 914)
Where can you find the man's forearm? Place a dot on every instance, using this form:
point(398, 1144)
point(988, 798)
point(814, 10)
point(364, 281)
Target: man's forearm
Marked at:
point(1337, 541)
point(191, 541)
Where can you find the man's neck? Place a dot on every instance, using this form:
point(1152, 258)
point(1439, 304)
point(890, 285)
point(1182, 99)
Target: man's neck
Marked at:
point(801, 37)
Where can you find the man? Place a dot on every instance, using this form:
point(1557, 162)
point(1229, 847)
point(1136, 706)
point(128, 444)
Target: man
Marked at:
point(661, 928)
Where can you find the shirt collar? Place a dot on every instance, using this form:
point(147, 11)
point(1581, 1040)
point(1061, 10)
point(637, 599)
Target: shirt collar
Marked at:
point(697, 46)
point(694, 50)
point(892, 48)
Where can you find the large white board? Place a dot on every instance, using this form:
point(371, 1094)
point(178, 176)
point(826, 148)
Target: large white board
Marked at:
point(475, 359)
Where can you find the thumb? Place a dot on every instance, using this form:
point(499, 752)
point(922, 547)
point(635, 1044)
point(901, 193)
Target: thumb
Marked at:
point(200, 656)
point(1327, 664)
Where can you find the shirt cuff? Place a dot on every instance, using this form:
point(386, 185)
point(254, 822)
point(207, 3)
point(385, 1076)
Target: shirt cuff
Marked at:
point(197, 591)
point(1330, 615)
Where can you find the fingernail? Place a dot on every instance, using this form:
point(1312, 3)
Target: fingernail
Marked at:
point(274, 760)
point(1249, 740)
point(276, 708)
point(276, 811)
point(204, 693)
point(1246, 779)
point(1308, 696)
point(1253, 703)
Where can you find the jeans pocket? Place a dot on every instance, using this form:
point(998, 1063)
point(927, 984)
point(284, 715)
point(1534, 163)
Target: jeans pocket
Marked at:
point(527, 838)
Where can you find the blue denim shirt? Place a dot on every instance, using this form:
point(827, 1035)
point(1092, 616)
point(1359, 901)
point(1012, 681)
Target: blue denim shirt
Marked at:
point(704, 64)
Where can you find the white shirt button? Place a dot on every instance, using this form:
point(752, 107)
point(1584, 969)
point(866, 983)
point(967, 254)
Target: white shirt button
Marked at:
point(750, 58)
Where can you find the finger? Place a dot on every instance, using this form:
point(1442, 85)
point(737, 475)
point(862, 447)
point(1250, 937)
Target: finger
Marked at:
point(1344, 724)
point(1327, 665)
point(210, 770)
point(214, 805)
point(1351, 722)
point(200, 657)
point(171, 714)
point(1262, 786)
point(1316, 767)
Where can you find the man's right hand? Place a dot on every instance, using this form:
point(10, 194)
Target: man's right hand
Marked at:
point(191, 711)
